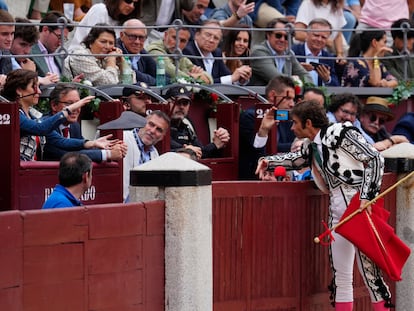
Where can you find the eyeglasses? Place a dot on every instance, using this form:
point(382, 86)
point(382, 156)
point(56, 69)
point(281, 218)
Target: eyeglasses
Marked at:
point(350, 113)
point(59, 36)
point(209, 35)
point(279, 35)
point(66, 103)
point(132, 37)
point(374, 117)
point(130, 1)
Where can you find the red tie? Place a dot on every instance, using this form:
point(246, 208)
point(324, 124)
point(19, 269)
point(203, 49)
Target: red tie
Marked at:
point(65, 132)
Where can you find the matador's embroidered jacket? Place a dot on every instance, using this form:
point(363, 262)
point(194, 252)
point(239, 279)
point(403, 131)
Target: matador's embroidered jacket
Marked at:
point(347, 158)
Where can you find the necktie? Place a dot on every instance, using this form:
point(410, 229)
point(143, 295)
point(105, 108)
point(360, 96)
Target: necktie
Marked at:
point(316, 154)
point(65, 132)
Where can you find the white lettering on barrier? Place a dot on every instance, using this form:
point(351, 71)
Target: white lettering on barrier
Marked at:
point(89, 194)
point(260, 113)
point(5, 118)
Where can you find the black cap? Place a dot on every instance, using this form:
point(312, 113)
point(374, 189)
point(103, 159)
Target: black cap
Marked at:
point(178, 92)
point(128, 91)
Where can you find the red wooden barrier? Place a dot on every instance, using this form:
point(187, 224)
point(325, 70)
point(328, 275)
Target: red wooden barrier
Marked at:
point(102, 257)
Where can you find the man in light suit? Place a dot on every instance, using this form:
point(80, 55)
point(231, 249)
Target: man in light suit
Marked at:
point(266, 63)
point(50, 39)
point(141, 144)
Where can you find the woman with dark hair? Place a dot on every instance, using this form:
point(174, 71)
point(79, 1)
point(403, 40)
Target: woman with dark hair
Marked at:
point(370, 45)
point(22, 86)
point(110, 12)
point(100, 70)
point(237, 44)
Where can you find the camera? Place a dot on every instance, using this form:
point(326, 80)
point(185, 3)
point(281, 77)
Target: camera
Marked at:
point(282, 115)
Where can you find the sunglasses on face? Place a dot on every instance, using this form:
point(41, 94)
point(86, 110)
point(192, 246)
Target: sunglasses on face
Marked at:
point(279, 35)
point(374, 117)
point(130, 1)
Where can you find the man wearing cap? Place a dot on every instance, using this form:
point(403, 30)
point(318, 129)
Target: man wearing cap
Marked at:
point(141, 144)
point(374, 114)
point(182, 130)
point(131, 41)
point(136, 100)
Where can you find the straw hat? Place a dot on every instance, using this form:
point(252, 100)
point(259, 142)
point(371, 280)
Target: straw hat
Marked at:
point(379, 105)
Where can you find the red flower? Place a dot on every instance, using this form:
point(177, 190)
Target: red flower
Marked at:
point(298, 90)
point(214, 97)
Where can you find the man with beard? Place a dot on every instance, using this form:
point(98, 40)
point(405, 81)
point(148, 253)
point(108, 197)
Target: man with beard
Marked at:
point(141, 144)
point(183, 134)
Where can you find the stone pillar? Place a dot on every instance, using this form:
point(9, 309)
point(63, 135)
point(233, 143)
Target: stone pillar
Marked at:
point(185, 185)
point(400, 159)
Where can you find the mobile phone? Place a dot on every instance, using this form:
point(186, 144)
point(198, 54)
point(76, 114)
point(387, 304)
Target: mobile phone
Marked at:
point(282, 115)
point(315, 64)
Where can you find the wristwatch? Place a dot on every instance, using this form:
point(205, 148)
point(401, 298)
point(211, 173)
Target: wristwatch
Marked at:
point(68, 111)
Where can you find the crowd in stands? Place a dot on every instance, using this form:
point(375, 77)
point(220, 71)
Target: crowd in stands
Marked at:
point(309, 39)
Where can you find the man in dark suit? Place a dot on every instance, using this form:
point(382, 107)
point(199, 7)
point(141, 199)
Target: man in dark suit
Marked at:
point(131, 41)
point(322, 71)
point(205, 48)
point(50, 40)
point(280, 91)
point(68, 136)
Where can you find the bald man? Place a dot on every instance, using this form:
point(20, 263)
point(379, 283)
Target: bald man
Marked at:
point(131, 41)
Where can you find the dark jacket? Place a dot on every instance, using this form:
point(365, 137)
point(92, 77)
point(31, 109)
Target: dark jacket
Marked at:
point(299, 50)
point(405, 126)
point(219, 68)
point(146, 66)
point(41, 65)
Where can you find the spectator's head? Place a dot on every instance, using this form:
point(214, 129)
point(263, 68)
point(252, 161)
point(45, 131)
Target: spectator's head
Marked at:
point(6, 31)
point(370, 38)
point(308, 118)
point(237, 42)
point(24, 37)
point(317, 37)
point(280, 91)
point(316, 94)
point(194, 14)
point(122, 10)
point(170, 37)
point(179, 99)
point(51, 35)
point(22, 86)
point(374, 114)
point(133, 38)
point(209, 36)
point(399, 27)
point(136, 100)
point(64, 95)
point(100, 39)
point(278, 37)
point(187, 152)
point(155, 129)
point(345, 107)
point(75, 169)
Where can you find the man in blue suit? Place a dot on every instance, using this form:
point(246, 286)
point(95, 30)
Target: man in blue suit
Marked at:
point(322, 71)
point(131, 41)
point(68, 136)
point(205, 49)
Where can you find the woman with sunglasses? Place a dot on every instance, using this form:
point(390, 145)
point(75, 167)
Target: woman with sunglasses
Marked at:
point(111, 12)
point(373, 117)
point(370, 45)
point(22, 86)
point(237, 44)
point(100, 69)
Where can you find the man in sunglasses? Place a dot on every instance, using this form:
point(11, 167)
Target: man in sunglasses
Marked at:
point(183, 134)
point(270, 58)
point(374, 114)
point(131, 41)
point(136, 101)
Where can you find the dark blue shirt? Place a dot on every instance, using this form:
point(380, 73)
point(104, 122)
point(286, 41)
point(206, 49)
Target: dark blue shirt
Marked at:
point(61, 197)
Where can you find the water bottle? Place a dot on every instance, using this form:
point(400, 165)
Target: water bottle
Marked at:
point(160, 71)
point(127, 76)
